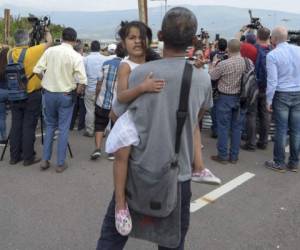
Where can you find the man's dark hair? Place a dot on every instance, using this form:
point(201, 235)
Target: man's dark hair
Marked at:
point(222, 44)
point(78, 46)
point(69, 34)
point(95, 46)
point(179, 27)
point(263, 34)
point(120, 51)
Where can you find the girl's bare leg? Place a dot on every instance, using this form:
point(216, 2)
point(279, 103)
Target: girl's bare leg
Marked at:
point(120, 176)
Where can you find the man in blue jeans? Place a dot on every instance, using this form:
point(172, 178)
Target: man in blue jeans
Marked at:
point(283, 98)
point(157, 126)
point(61, 65)
point(229, 115)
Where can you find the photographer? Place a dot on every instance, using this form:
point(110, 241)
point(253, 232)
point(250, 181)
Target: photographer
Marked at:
point(219, 55)
point(25, 113)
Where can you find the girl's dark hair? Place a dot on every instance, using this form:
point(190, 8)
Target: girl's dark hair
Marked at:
point(145, 31)
point(3, 63)
point(120, 51)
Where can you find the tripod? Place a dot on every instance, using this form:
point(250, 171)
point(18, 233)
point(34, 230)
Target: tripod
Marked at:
point(42, 135)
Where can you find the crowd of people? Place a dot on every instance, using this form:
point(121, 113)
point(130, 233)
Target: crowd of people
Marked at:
point(134, 93)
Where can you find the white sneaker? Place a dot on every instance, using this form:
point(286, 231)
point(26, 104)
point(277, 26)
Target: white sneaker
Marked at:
point(206, 176)
point(111, 157)
point(96, 154)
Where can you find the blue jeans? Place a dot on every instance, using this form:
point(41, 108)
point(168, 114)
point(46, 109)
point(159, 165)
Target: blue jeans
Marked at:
point(230, 120)
point(58, 112)
point(3, 99)
point(110, 239)
point(286, 106)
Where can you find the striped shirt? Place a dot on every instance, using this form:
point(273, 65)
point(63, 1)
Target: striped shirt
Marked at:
point(229, 74)
point(109, 83)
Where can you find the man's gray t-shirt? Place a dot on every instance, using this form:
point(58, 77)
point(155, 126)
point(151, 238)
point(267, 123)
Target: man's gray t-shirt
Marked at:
point(154, 114)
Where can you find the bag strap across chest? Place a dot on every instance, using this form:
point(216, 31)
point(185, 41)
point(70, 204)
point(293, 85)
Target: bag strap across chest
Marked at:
point(182, 111)
point(20, 59)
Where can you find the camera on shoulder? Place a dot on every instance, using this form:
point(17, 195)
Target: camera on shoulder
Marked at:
point(38, 29)
point(254, 22)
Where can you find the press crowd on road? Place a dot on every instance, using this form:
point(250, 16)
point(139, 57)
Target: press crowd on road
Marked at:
point(130, 95)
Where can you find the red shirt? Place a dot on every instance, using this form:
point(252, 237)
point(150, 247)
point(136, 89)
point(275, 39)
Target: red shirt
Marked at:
point(249, 50)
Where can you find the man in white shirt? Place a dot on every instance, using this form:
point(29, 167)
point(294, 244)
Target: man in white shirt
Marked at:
point(61, 65)
point(93, 67)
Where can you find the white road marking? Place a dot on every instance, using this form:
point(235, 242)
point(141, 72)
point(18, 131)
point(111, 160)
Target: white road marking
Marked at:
point(217, 193)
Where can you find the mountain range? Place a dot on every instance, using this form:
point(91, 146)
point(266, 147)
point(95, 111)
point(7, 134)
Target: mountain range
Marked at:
point(216, 19)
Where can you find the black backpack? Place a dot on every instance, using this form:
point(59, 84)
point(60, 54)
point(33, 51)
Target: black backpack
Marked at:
point(16, 78)
point(249, 89)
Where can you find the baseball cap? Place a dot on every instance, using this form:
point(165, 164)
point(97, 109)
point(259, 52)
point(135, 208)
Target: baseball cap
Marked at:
point(111, 48)
point(251, 38)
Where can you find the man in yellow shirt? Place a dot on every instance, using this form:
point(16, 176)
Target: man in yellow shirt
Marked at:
point(63, 67)
point(25, 113)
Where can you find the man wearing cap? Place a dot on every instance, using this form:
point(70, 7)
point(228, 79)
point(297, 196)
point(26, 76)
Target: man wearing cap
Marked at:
point(93, 65)
point(111, 48)
point(248, 48)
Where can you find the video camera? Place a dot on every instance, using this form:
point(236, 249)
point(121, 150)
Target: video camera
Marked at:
point(203, 34)
point(38, 28)
point(254, 22)
point(294, 37)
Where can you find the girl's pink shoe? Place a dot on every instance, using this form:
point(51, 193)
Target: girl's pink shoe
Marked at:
point(123, 221)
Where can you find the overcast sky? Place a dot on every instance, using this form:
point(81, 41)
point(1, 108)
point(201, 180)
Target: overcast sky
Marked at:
point(98, 5)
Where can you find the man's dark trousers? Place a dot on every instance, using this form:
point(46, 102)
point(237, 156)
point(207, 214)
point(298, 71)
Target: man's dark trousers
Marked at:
point(110, 239)
point(258, 110)
point(79, 107)
point(25, 115)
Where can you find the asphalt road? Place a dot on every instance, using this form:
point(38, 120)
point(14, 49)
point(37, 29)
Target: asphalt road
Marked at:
point(50, 211)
